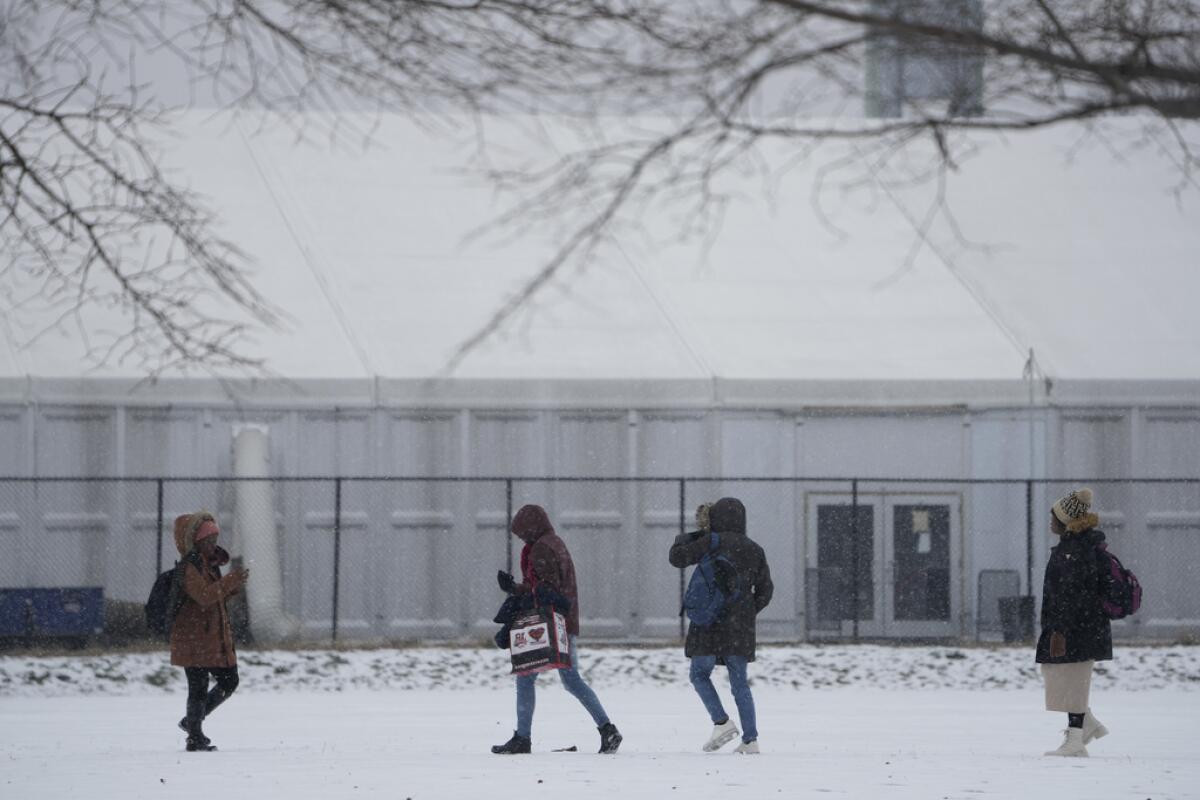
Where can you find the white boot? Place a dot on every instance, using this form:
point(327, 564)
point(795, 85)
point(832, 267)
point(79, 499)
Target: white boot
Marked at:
point(747, 748)
point(721, 735)
point(1093, 728)
point(1072, 745)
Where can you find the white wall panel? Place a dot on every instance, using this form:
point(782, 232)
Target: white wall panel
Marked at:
point(1171, 447)
point(763, 446)
point(1093, 445)
point(669, 444)
point(165, 442)
point(14, 454)
point(676, 445)
point(912, 446)
point(332, 443)
point(76, 442)
point(1165, 560)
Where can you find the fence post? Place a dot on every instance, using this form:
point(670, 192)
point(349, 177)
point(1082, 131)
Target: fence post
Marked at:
point(682, 530)
point(337, 551)
point(508, 494)
point(1029, 537)
point(158, 545)
point(854, 556)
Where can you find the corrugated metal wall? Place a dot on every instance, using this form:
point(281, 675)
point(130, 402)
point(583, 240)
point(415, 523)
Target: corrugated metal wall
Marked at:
point(418, 559)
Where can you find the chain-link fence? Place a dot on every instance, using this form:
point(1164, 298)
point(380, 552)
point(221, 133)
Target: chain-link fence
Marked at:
point(385, 559)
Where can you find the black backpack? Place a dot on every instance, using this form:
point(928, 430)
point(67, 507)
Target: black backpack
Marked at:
point(163, 604)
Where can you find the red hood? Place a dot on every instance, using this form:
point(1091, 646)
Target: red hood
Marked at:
point(531, 523)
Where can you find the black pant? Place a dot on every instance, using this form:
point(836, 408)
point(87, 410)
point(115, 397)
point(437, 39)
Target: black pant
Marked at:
point(201, 701)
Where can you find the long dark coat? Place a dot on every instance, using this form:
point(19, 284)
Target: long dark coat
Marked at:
point(1071, 594)
point(734, 633)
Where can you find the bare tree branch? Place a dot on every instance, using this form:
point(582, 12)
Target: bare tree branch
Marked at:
point(1044, 68)
point(666, 98)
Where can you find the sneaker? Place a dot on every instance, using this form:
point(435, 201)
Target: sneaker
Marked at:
point(747, 748)
point(721, 735)
point(200, 745)
point(517, 745)
point(610, 738)
point(1072, 745)
point(1093, 728)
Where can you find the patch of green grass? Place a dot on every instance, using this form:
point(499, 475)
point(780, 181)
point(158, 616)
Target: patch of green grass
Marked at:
point(160, 678)
point(111, 676)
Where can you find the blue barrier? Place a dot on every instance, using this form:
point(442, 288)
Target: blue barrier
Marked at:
point(70, 611)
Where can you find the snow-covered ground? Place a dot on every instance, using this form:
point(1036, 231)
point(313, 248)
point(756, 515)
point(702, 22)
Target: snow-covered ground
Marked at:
point(791, 666)
point(866, 722)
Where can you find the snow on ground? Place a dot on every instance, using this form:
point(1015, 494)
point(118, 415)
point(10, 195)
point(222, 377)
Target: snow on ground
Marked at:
point(790, 666)
point(433, 745)
point(865, 722)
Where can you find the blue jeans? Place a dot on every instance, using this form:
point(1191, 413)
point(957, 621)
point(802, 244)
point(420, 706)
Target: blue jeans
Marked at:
point(701, 674)
point(572, 682)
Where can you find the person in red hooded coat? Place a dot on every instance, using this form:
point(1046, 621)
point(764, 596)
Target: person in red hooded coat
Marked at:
point(545, 561)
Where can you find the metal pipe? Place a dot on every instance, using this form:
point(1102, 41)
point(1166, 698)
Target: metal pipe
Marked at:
point(337, 551)
point(508, 544)
point(854, 557)
point(682, 530)
point(1029, 537)
point(158, 540)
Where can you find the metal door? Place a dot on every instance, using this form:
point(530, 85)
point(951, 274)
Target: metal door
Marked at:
point(843, 563)
point(897, 567)
point(921, 550)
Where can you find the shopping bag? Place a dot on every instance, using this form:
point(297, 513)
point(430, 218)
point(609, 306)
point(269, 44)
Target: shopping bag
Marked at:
point(537, 641)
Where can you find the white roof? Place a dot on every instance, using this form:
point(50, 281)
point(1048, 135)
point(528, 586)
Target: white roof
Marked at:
point(1088, 258)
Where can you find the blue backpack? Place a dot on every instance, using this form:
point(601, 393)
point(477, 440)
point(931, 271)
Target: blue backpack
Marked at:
point(714, 586)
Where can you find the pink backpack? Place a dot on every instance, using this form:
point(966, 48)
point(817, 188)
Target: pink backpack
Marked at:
point(1120, 592)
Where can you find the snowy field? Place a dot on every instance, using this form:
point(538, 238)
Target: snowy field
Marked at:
point(867, 722)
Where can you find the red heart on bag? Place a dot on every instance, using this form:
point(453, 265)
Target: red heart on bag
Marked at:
point(537, 633)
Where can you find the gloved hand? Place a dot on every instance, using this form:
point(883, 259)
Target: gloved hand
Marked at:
point(1058, 645)
point(505, 579)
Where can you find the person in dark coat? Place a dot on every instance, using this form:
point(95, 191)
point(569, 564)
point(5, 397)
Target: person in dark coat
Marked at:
point(546, 564)
point(201, 636)
point(731, 639)
point(1075, 631)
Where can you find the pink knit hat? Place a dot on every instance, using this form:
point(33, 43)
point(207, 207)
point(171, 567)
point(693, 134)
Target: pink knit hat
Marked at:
point(207, 528)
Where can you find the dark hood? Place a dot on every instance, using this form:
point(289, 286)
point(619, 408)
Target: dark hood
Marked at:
point(727, 515)
point(531, 523)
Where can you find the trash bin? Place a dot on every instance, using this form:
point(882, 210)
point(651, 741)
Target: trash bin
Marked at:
point(1016, 618)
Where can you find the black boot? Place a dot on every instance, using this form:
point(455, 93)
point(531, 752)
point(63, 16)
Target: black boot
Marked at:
point(516, 745)
point(610, 738)
point(200, 744)
point(196, 740)
point(198, 735)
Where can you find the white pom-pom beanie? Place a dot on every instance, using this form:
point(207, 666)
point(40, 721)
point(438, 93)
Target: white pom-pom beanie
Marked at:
point(1074, 510)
